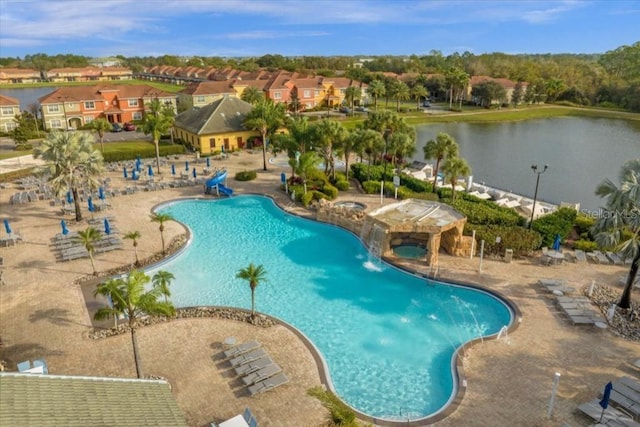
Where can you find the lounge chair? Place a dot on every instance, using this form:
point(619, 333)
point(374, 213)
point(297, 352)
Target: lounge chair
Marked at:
point(249, 418)
point(247, 368)
point(43, 364)
point(241, 348)
point(268, 384)
point(261, 374)
point(24, 366)
point(248, 357)
point(611, 416)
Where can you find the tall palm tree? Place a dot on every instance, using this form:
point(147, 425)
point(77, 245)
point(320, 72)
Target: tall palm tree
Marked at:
point(71, 163)
point(306, 163)
point(351, 94)
point(401, 93)
point(88, 238)
point(129, 298)
point(351, 144)
point(254, 275)
point(100, 126)
point(371, 144)
point(440, 148)
point(265, 117)
point(328, 135)
point(106, 289)
point(158, 120)
point(418, 92)
point(134, 236)
point(620, 227)
point(161, 218)
point(162, 280)
point(252, 95)
point(377, 89)
point(453, 168)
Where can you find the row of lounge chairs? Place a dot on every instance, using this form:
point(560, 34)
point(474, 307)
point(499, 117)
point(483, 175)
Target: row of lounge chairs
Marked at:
point(582, 257)
point(624, 405)
point(256, 369)
point(578, 309)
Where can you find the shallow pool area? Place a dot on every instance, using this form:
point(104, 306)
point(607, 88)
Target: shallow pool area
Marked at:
point(387, 337)
point(409, 251)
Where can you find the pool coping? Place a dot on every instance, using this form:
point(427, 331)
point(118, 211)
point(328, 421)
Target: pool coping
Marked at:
point(457, 359)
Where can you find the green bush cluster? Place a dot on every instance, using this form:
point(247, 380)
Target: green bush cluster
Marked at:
point(246, 175)
point(339, 413)
point(481, 212)
point(371, 187)
point(330, 191)
point(585, 245)
point(146, 152)
point(559, 222)
point(583, 223)
point(521, 240)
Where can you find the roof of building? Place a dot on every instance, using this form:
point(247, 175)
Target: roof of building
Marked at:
point(417, 215)
point(94, 93)
point(209, 88)
point(224, 115)
point(56, 400)
point(7, 100)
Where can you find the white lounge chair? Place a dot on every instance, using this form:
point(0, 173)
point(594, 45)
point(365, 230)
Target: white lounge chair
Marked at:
point(268, 384)
point(248, 357)
point(261, 374)
point(247, 368)
point(241, 348)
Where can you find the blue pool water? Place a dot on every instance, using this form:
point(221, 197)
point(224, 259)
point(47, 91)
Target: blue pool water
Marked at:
point(388, 337)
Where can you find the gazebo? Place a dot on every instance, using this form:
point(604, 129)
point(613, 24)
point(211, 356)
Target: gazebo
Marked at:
point(432, 224)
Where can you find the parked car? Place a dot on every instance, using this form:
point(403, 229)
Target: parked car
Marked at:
point(362, 109)
point(426, 104)
point(345, 110)
point(129, 127)
point(116, 127)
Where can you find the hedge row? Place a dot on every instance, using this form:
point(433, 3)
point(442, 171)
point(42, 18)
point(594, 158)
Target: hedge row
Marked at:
point(521, 240)
point(144, 152)
point(559, 223)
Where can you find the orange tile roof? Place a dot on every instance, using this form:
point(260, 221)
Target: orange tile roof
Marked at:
point(8, 101)
point(94, 93)
point(209, 88)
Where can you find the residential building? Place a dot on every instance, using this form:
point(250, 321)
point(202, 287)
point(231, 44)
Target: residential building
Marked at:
point(87, 74)
point(508, 85)
point(105, 62)
point(19, 75)
point(203, 93)
point(9, 108)
point(215, 127)
point(72, 107)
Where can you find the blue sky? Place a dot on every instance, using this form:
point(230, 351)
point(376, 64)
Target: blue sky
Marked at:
point(313, 27)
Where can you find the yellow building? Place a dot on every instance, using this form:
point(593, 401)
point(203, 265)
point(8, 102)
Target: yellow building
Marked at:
point(9, 109)
point(215, 127)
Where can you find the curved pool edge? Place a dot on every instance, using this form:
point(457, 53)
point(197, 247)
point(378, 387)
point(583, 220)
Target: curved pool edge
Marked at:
point(457, 358)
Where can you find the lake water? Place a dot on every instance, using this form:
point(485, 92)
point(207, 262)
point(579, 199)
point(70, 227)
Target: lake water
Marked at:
point(28, 96)
point(580, 152)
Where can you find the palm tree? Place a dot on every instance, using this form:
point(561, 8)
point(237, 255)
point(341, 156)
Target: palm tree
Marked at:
point(101, 126)
point(418, 92)
point(162, 280)
point(351, 94)
point(328, 135)
point(440, 148)
point(401, 93)
point(134, 236)
point(372, 144)
point(158, 119)
point(265, 117)
point(128, 298)
point(106, 289)
point(161, 218)
point(376, 89)
point(620, 227)
point(305, 163)
point(453, 168)
point(88, 239)
point(252, 95)
point(351, 144)
point(71, 163)
point(254, 275)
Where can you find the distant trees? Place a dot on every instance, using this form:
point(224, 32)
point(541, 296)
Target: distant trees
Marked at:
point(487, 92)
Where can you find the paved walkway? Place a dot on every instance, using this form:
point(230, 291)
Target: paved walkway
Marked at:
point(43, 314)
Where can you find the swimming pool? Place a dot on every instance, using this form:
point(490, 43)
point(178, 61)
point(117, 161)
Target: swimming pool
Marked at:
point(387, 336)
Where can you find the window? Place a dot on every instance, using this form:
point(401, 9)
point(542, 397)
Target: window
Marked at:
point(307, 93)
point(277, 95)
point(88, 119)
point(317, 93)
point(57, 124)
point(137, 115)
point(89, 105)
point(212, 142)
point(342, 91)
point(7, 111)
point(133, 103)
point(9, 126)
point(53, 108)
point(200, 99)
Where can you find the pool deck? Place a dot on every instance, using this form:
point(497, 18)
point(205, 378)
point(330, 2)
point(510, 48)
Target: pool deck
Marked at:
point(43, 315)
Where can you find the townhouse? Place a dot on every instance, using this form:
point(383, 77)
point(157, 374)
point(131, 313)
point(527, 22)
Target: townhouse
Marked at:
point(9, 108)
point(87, 74)
point(75, 106)
point(19, 75)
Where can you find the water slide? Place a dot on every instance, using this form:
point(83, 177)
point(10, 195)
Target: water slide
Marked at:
point(216, 182)
point(225, 190)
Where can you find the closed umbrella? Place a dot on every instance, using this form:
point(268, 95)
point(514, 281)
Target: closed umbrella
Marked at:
point(124, 172)
point(173, 169)
point(605, 398)
point(69, 197)
point(134, 175)
point(138, 166)
point(194, 172)
point(107, 226)
point(150, 171)
point(556, 243)
point(101, 193)
point(186, 166)
point(90, 203)
point(7, 227)
point(208, 162)
point(65, 230)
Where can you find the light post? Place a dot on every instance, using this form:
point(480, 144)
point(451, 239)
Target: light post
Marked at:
point(535, 194)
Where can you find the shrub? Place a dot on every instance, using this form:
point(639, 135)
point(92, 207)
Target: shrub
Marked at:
point(521, 240)
point(339, 413)
point(342, 184)
point(585, 245)
point(583, 223)
point(246, 175)
point(330, 191)
point(371, 187)
point(146, 152)
point(479, 212)
point(559, 222)
point(306, 198)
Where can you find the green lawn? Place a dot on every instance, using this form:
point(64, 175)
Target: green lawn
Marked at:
point(109, 147)
point(162, 86)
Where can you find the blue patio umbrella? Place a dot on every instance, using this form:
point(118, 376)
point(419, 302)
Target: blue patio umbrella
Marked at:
point(605, 398)
point(101, 193)
point(107, 227)
point(208, 162)
point(186, 166)
point(150, 171)
point(134, 175)
point(7, 227)
point(173, 169)
point(194, 172)
point(69, 197)
point(556, 243)
point(65, 230)
point(124, 172)
point(90, 203)
point(138, 167)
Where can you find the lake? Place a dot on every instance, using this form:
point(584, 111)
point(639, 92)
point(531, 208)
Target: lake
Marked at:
point(580, 152)
point(28, 96)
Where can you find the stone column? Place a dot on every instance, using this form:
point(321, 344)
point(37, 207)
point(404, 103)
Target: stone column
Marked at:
point(433, 247)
